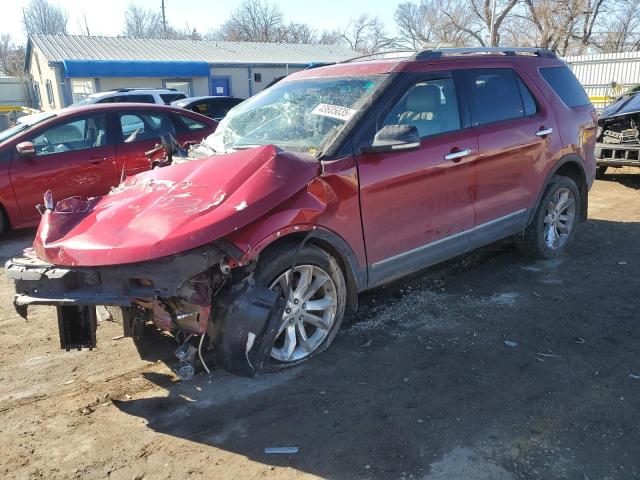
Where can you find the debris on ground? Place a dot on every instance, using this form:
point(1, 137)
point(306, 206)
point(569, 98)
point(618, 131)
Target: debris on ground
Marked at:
point(281, 450)
point(511, 344)
point(635, 377)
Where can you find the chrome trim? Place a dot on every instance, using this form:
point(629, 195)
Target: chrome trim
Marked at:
point(475, 229)
point(458, 154)
point(546, 131)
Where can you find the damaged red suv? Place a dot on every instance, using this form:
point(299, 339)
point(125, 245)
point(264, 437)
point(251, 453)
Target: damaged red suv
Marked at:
point(333, 181)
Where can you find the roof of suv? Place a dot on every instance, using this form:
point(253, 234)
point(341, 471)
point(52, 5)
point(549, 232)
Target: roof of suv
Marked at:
point(406, 60)
point(122, 106)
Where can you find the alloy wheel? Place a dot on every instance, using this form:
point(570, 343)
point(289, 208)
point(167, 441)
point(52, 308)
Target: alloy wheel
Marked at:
point(560, 218)
point(309, 315)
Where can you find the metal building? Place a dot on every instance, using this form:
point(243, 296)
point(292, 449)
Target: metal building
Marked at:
point(66, 68)
point(606, 76)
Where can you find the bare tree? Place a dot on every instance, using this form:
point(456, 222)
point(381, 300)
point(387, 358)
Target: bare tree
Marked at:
point(367, 34)
point(425, 23)
point(142, 23)
point(621, 28)
point(297, 33)
point(11, 56)
point(476, 17)
point(44, 17)
point(565, 26)
point(254, 21)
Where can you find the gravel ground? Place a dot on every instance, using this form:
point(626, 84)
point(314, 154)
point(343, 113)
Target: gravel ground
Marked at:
point(492, 366)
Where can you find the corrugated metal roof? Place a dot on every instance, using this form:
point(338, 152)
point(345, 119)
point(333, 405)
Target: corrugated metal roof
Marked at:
point(57, 48)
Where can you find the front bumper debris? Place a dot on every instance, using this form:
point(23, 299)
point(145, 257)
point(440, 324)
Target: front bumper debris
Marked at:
point(618, 155)
point(188, 294)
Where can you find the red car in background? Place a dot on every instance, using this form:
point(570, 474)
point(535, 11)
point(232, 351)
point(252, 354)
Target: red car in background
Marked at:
point(83, 152)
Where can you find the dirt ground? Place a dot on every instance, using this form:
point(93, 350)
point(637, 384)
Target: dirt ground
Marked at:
point(421, 385)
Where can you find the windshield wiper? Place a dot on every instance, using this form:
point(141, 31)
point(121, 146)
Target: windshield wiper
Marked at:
point(244, 147)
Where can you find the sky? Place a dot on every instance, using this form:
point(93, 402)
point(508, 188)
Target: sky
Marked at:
point(106, 17)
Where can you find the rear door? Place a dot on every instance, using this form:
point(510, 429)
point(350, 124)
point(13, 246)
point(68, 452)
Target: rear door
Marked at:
point(517, 136)
point(75, 156)
point(139, 131)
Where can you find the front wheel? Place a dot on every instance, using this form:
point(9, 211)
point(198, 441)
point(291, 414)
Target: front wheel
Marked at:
point(315, 305)
point(553, 227)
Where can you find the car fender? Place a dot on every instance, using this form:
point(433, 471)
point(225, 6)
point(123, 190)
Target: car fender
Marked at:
point(289, 223)
point(569, 159)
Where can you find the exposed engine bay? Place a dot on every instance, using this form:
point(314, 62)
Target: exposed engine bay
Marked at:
point(618, 140)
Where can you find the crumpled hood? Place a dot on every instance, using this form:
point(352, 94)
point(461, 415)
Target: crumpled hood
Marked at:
point(173, 209)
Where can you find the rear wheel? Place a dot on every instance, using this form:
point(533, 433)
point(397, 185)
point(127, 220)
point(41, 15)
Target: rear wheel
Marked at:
point(4, 221)
point(553, 227)
point(315, 306)
point(600, 171)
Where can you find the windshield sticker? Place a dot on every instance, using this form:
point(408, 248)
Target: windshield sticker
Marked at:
point(334, 111)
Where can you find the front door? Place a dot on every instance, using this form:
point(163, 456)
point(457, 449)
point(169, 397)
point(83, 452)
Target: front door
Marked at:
point(417, 204)
point(75, 157)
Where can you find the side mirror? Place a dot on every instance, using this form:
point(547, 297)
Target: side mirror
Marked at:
point(395, 138)
point(26, 149)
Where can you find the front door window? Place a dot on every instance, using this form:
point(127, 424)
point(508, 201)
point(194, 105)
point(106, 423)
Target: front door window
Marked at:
point(76, 134)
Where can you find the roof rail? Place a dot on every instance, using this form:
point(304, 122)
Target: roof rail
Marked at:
point(382, 55)
point(130, 89)
point(435, 53)
point(441, 52)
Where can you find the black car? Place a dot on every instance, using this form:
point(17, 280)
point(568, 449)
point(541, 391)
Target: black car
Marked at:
point(618, 141)
point(212, 107)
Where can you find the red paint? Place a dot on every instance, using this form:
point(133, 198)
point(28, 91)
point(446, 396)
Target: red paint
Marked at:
point(413, 198)
point(87, 173)
point(380, 205)
point(169, 210)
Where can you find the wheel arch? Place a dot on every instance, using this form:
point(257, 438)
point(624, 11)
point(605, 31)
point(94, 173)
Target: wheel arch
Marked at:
point(355, 276)
point(5, 222)
point(570, 166)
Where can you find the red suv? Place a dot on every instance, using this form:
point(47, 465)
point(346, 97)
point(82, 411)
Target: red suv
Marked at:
point(333, 181)
point(82, 151)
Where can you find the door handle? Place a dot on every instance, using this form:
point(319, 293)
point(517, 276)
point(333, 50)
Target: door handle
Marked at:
point(456, 156)
point(544, 132)
point(97, 160)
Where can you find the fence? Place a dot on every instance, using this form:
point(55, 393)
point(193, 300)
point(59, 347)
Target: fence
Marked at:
point(606, 76)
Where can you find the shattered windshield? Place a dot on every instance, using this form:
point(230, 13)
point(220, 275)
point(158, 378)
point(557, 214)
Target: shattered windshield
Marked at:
point(300, 115)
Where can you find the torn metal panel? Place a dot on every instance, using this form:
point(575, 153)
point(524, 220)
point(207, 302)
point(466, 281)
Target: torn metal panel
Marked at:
point(245, 325)
point(173, 209)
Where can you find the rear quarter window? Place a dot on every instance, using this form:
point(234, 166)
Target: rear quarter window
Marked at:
point(167, 98)
point(566, 85)
point(191, 124)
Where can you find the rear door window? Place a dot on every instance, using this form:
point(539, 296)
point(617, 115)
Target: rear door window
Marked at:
point(139, 126)
point(191, 124)
point(203, 108)
point(496, 94)
point(139, 98)
point(167, 98)
point(566, 85)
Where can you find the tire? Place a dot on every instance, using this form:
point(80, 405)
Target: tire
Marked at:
point(537, 240)
point(600, 171)
point(4, 221)
point(312, 265)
